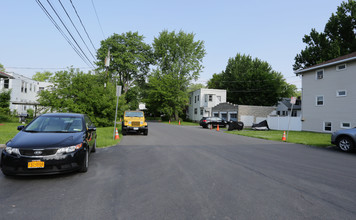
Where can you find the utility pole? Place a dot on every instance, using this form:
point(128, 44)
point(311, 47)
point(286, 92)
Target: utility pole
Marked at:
point(107, 64)
point(118, 94)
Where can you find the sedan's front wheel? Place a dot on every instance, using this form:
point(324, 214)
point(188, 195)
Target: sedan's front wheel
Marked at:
point(345, 144)
point(85, 164)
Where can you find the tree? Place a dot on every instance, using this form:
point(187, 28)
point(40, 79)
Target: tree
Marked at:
point(130, 58)
point(161, 94)
point(2, 68)
point(338, 38)
point(251, 82)
point(179, 59)
point(45, 76)
point(192, 87)
point(75, 91)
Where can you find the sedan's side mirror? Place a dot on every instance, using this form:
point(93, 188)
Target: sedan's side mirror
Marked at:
point(91, 128)
point(20, 127)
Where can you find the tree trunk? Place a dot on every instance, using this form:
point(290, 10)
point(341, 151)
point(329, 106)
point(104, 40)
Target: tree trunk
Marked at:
point(176, 116)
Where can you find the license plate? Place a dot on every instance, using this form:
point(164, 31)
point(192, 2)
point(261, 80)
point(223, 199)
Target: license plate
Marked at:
point(35, 164)
point(136, 129)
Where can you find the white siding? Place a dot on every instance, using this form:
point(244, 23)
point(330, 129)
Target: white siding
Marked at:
point(336, 109)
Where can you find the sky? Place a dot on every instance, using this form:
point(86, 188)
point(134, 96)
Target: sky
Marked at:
point(271, 31)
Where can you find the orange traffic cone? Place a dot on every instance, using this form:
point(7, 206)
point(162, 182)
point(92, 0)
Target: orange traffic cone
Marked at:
point(179, 122)
point(117, 135)
point(169, 121)
point(217, 128)
point(284, 136)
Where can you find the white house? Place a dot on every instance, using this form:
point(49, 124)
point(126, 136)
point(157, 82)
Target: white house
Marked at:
point(202, 101)
point(24, 91)
point(329, 95)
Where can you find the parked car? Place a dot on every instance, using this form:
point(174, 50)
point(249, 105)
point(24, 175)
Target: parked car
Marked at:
point(211, 122)
point(345, 139)
point(51, 143)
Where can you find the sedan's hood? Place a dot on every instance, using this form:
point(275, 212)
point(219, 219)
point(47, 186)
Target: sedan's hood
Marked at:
point(45, 140)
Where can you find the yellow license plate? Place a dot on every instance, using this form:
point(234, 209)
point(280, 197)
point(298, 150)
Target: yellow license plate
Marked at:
point(36, 164)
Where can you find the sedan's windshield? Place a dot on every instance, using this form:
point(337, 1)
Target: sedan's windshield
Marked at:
point(134, 114)
point(55, 124)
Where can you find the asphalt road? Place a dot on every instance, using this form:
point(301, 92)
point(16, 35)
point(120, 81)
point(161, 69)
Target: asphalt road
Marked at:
point(181, 172)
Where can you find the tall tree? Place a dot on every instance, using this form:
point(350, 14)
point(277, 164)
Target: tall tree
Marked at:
point(2, 68)
point(130, 58)
point(179, 59)
point(251, 82)
point(44, 76)
point(75, 91)
point(338, 38)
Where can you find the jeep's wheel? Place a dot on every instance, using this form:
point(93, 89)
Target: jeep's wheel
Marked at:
point(145, 132)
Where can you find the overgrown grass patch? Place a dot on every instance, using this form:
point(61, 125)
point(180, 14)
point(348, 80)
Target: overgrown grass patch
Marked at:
point(298, 137)
point(7, 131)
point(105, 136)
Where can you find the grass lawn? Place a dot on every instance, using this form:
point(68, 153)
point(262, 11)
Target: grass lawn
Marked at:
point(184, 123)
point(104, 135)
point(298, 137)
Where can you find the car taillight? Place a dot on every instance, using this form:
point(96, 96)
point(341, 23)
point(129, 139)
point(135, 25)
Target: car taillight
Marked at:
point(204, 120)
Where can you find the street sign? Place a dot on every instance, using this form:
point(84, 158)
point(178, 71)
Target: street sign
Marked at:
point(118, 91)
point(293, 100)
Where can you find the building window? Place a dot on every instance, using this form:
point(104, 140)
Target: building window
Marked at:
point(25, 87)
point(216, 114)
point(233, 117)
point(201, 112)
point(320, 100)
point(195, 99)
point(224, 116)
point(327, 126)
point(341, 67)
point(22, 86)
point(341, 93)
point(210, 98)
point(319, 74)
point(195, 111)
point(198, 98)
point(345, 125)
point(6, 83)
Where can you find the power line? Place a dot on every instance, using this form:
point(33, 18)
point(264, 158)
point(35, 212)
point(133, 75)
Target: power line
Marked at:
point(76, 29)
point(97, 17)
point(59, 17)
point(60, 30)
point(45, 68)
point(82, 25)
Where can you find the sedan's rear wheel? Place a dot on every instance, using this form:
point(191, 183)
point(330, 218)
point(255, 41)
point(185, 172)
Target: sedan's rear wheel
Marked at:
point(345, 144)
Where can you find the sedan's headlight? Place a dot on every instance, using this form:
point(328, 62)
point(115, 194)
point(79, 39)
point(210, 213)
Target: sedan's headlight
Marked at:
point(11, 150)
point(69, 149)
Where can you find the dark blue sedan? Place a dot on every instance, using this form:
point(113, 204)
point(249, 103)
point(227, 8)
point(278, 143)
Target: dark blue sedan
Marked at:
point(51, 143)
